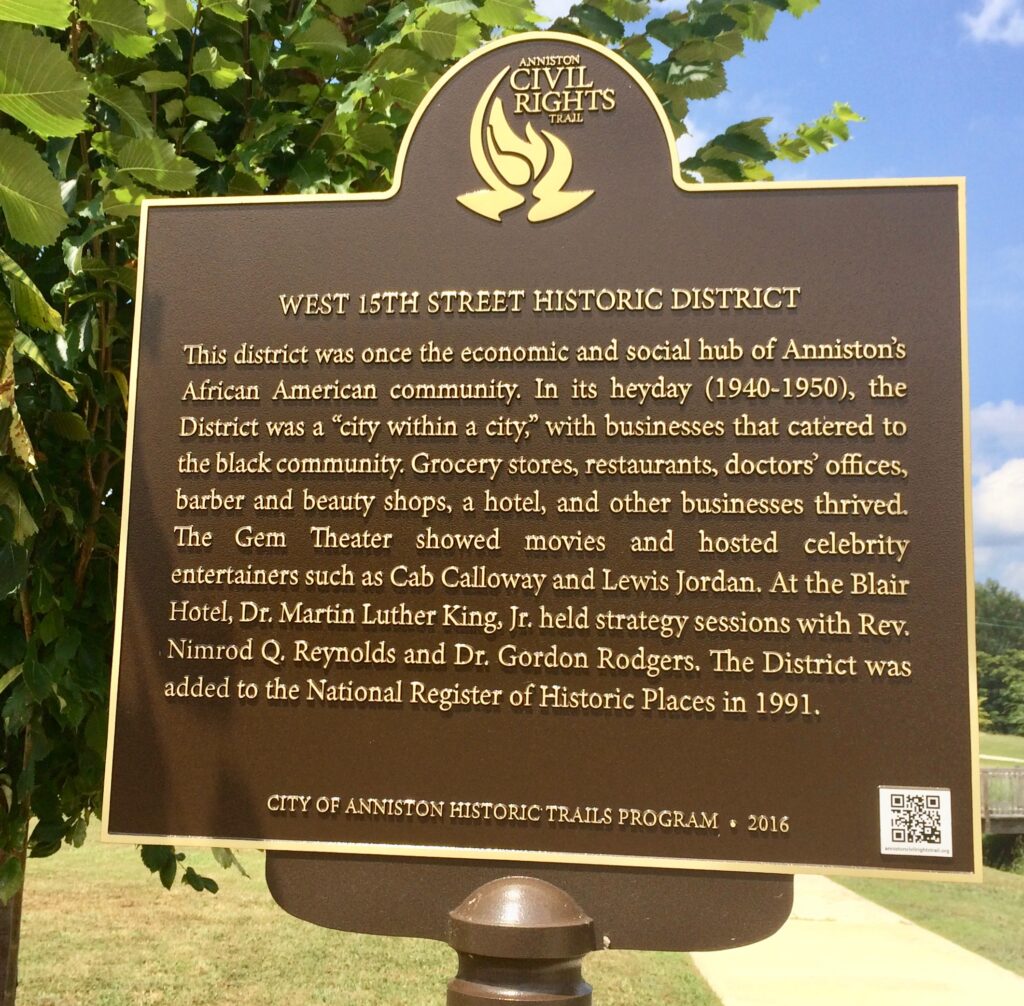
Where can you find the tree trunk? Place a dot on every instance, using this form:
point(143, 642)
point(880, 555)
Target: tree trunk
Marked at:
point(10, 938)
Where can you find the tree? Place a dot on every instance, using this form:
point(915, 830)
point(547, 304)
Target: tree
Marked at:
point(999, 617)
point(106, 102)
point(1001, 690)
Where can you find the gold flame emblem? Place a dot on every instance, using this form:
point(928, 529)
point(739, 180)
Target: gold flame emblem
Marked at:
point(506, 163)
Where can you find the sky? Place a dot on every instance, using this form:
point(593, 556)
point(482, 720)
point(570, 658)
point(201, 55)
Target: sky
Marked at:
point(941, 86)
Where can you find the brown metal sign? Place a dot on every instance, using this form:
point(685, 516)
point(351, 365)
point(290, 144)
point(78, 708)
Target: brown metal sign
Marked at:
point(548, 509)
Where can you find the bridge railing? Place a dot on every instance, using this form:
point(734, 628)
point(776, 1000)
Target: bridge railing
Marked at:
point(1002, 792)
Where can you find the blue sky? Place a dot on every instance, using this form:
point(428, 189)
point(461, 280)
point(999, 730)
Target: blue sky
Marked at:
point(941, 85)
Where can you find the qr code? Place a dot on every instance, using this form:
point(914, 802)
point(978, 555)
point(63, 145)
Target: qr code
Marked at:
point(915, 822)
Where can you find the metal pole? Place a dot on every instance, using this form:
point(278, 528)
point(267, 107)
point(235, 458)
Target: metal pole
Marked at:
point(520, 939)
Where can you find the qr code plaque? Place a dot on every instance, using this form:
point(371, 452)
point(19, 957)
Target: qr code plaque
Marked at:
point(915, 822)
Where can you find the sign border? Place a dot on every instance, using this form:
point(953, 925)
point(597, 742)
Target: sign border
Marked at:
point(501, 855)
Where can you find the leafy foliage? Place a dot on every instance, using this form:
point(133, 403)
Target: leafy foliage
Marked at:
point(1001, 687)
point(106, 102)
point(999, 614)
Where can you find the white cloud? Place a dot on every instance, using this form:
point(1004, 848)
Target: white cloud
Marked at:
point(691, 141)
point(997, 21)
point(552, 9)
point(999, 525)
point(999, 505)
point(996, 564)
point(1012, 575)
point(997, 434)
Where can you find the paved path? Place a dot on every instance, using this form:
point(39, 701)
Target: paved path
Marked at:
point(838, 949)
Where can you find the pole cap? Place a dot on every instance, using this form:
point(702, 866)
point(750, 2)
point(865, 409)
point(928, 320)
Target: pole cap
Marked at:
point(521, 917)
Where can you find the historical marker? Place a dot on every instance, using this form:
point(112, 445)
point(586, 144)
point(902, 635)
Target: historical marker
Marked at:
point(547, 509)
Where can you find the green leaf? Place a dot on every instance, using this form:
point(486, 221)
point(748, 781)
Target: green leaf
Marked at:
point(721, 170)
point(38, 677)
point(699, 80)
point(78, 832)
point(122, 384)
point(244, 184)
point(407, 91)
point(672, 30)
point(321, 37)
point(161, 80)
point(8, 326)
point(346, 8)
point(73, 246)
point(445, 36)
point(818, 136)
point(596, 23)
point(13, 567)
point(637, 47)
point(154, 162)
point(226, 859)
point(26, 347)
point(29, 304)
point(200, 143)
point(121, 24)
point(168, 872)
point(230, 10)
point(8, 678)
point(722, 47)
point(172, 109)
point(11, 875)
point(38, 85)
point(673, 99)
point(108, 144)
point(627, 11)
point(51, 626)
point(219, 72)
point(311, 172)
point(505, 13)
point(798, 8)
point(95, 732)
point(69, 425)
point(747, 139)
point(155, 856)
point(755, 22)
point(29, 194)
point(399, 59)
point(10, 497)
point(17, 436)
point(127, 103)
point(198, 882)
point(51, 13)
point(459, 7)
point(163, 860)
point(205, 108)
point(170, 15)
point(374, 137)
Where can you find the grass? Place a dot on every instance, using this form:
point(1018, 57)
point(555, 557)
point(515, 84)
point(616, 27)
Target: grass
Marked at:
point(99, 930)
point(1004, 746)
point(987, 918)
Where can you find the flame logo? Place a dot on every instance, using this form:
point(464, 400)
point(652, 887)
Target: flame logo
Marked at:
point(506, 162)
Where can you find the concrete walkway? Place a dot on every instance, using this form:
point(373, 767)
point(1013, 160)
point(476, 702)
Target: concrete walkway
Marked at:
point(838, 949)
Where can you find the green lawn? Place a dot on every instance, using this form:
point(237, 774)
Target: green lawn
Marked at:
point(98, 930)
point(1003, 745)
point(987, 918)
